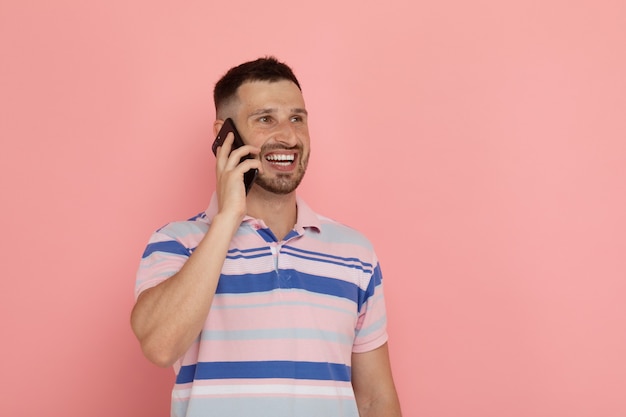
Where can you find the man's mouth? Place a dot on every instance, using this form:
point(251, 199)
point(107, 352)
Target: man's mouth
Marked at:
point(280, 159)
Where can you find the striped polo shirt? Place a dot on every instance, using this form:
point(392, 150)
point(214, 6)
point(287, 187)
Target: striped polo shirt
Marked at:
point(286, 317)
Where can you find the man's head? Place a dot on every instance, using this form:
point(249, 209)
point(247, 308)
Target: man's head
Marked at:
point(262, 69)
point(264, 99)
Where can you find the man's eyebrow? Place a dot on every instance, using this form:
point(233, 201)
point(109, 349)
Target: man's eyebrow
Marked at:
point(269, 110)
point(262, 111)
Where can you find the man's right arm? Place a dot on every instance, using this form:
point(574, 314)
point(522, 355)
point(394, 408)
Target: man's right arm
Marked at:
point(168, 317)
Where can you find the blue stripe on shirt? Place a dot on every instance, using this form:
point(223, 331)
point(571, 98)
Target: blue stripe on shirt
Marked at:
point(349, 261)
point(289, 279)
point(345, 262)
point(169, 246)
point(264, 369)
point(249, 253)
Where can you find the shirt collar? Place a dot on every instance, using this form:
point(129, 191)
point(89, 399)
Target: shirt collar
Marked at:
point(307, 218)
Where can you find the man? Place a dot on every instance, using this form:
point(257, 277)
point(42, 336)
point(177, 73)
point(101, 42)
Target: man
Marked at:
point(264, 307)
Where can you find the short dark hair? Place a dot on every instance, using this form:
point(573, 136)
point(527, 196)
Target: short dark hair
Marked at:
point(262, 69)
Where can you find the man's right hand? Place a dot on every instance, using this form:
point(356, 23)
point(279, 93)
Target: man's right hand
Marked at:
point(230, 189)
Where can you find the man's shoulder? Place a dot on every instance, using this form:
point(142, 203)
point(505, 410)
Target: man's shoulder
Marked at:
point(198, 223)
point(332, 230)
point(328, 229)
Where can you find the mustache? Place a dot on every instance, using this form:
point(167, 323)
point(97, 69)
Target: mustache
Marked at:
point(279, 147)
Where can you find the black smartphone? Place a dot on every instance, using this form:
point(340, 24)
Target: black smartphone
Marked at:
point(229, 126)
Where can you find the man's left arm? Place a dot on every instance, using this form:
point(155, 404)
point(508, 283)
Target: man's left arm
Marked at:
point(373, 384)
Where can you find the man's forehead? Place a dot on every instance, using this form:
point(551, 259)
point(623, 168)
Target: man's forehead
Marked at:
point(281, 87)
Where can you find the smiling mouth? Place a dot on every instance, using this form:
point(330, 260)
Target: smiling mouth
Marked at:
point(281, 159)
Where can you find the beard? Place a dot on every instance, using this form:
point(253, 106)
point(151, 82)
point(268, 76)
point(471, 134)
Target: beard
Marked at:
point(284, 183)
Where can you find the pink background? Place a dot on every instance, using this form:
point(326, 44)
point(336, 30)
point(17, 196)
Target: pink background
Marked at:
point(480, 145)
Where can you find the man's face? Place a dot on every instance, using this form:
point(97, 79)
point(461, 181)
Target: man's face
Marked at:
point(273, 117)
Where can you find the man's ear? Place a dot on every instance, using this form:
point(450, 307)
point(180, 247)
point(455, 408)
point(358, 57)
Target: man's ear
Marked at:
point(217, 125)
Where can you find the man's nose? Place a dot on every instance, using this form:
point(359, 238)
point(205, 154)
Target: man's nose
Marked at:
point(286, 133)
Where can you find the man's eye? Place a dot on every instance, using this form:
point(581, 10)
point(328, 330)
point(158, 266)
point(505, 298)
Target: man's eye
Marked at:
point(296, 119)
point(264, 119)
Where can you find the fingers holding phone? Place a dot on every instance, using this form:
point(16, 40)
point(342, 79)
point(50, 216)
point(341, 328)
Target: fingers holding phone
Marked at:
point(228, 127)
point(236, 166)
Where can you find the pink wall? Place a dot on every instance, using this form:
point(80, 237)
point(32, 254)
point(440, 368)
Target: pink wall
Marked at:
point(480, 145)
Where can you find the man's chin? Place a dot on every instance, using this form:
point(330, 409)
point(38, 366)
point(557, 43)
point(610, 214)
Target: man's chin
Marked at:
point(280, 186)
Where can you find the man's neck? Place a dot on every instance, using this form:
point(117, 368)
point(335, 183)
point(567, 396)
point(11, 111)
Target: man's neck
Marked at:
point(279, 212)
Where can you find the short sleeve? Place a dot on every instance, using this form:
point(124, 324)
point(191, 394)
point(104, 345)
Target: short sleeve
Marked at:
point(371, 328)
point(163, 257)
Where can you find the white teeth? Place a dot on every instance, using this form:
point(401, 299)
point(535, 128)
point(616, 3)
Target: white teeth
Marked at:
point(280, 158)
